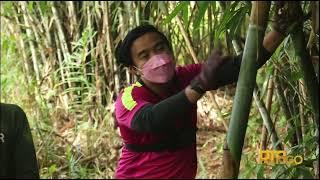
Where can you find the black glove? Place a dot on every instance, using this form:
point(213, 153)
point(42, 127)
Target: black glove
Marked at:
point(206, 80)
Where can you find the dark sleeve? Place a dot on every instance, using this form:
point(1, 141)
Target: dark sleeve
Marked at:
point(229, 72)
point(24, 153)
point(162, 116)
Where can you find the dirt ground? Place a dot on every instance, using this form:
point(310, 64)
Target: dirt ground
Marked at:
point(209, 152)
point(211, 134)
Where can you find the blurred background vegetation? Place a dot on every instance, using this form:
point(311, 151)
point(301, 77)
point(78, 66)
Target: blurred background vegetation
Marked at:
point(58, 64)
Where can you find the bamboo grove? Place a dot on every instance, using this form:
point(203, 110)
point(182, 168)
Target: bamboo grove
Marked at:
point(57, 59)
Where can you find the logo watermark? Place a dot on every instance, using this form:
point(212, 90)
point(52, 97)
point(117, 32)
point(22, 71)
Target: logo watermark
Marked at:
point(272, 157)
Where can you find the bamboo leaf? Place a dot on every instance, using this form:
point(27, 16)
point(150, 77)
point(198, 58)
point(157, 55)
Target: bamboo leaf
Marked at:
point(213, 6)
point(260, 171)
point(236, 21)
point(305, 173)
point(226, 18)
point(176, 10)
point(203, 6)
point(44, 8)
point(30, 6)
point(185, 15)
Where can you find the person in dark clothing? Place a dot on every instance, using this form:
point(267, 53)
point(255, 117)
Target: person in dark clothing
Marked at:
point(17, 152)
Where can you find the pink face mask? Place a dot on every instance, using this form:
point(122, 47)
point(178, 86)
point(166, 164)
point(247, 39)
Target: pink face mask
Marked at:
point(159, 68)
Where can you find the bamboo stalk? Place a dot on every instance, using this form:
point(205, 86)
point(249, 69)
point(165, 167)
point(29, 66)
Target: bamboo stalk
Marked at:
point(315, 16)
point(303, 120)
point(61, 39)
point(267, 121)
point(61, 35)
point(22, 47)
point(130, 15)
point(63, 76)
point(88, 57)
point(303, 57)
point(227, 39)
point(101, 45)
point(73, 20)
point(36, 33)
point(302, 97)
point(31, 44)
point(121, 34)
point(137, 8)
point(246, 82)
point(109, 39)
point(44, 29)
point(210, 38)
point(295, 112)
point(285, 109)
point(99, 56)
point(187, 40)
point(264, 133)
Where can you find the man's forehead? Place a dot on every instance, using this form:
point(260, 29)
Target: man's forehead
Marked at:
point(145, 41)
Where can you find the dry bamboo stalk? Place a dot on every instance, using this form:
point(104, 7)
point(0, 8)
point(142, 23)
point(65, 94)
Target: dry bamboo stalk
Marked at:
point(73, 20)
point(31, 44)
point(303, 97)
point(59, 57)
point(285, 108)
point(264, 133)
point(21, 46)
point(45, 29)
point(109, 49)
point(185, 36)
point(61, 35)
point(107, 63)
point(62, 40)
point(36, 33)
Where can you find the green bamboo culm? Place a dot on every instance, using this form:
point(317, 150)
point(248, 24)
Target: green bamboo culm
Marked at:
point(309, 75)
point(267, 120)
point(247, 80)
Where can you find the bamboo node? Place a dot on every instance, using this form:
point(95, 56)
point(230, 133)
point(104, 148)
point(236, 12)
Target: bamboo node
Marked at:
point(254, 26)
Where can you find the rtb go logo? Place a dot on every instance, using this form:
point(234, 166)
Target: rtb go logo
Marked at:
point(272, 157)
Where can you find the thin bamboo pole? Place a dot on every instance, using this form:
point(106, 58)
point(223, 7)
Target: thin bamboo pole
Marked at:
point(267, 121)
point(285, 109)
point(31, 44)
point(264, 133)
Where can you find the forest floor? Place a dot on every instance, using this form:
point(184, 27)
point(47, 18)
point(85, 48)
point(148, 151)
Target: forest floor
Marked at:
point(211, 135)
point(209, 150)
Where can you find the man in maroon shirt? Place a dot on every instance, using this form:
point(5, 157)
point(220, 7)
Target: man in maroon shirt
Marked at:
point(157, 114)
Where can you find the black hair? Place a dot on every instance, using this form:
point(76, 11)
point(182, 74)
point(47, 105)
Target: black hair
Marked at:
point(123, 53)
